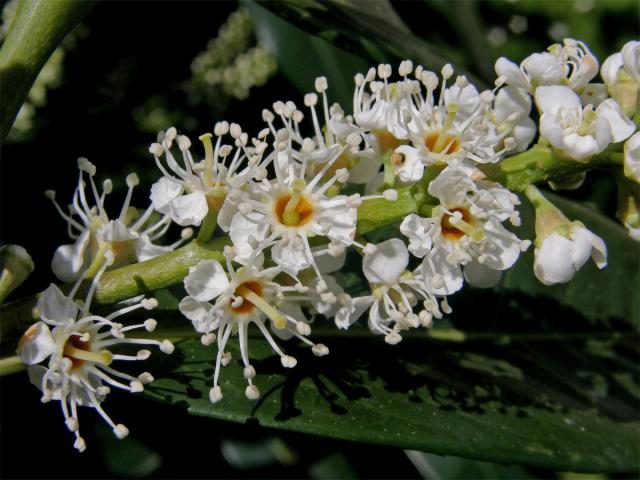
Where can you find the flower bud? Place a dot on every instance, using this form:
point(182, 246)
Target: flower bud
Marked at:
point(16, 265)
point(562, 247)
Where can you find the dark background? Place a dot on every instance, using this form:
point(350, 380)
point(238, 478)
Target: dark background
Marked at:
point(131, 51)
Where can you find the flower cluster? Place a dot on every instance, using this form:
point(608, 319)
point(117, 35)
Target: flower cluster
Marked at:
point(292, 201)
point(77, 351)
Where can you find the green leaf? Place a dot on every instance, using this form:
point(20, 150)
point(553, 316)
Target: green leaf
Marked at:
point(36, 30)
point(521, 374)
point(600, 296)
point(529, 375)
point(373, 33)
point(302, 57)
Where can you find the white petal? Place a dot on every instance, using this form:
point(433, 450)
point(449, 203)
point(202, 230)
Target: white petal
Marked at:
point(594, 94)
point(328, 263)
point(55, 308)
point(387, 263)
point(511, 99)
point(435, 265)
point(504, 247)
point(292, 257)
point(467, 99)
point(68, 262)
point(481, 276)
point(189, 209)
point(36, 344)
point(145, 250)
point(631, 58)
point(412, 168)
point(116, 231)
point(523, 133)
point(347, 315)
point(610, 68)
point(241, 229)
point(550, 99)
point(553, 260)
point(324, 308)
point(551, 129)
point(54, 383)
point(512, 73)
point(632, 158)
point(343, 222)
point(200, 314)
point(163, 192)
point(587, 244)
point(226, 213)
point(419, 232)
point(543, 68)
point(206, 281)
point(621, 126)
point(579, 147)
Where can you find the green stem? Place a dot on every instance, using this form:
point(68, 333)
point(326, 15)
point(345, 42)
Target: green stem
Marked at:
point(7, 284)
point(123, 283)
point(540, 165)
point(9, 365)
point(208, 226)
point(36, 30)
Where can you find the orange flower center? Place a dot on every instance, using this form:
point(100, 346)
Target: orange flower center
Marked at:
point(449, 230)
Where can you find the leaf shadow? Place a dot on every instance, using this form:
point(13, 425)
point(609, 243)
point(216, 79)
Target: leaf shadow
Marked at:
point(552, 359)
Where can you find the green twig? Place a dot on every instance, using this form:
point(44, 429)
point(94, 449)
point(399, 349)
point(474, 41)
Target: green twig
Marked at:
point(37, 29)
point(9, 365)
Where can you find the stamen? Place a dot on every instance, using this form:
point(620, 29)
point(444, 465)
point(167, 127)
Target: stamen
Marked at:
point(104, 357)
point(261, 304)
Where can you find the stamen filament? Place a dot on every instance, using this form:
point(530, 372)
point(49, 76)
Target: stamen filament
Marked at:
point(104, 357)
point(261, 304)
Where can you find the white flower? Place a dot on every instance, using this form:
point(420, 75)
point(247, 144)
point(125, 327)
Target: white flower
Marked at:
point(560, 255)
point(228, 302)
point(511, 110)
point(129, 237)
point(570, 64)
point(579, 133)
point(632, 158)
point(77, 351)
point(283, 213)
point(395, 293)
point(561, 247)
point(465, 229)
point(187, 194)
point(537, 69)
point(328, 137)
point(627, 59)
point(444, 124)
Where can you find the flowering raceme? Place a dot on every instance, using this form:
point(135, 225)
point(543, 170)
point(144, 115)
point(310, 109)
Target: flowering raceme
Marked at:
point(424, 154)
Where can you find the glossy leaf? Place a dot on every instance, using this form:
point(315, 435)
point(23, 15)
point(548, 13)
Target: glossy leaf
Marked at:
point(368, 32)
point(521, 374)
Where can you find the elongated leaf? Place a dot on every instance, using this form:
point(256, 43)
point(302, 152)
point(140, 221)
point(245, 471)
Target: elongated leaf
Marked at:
point(520, 374)
point(302, 57)
point(370, 33)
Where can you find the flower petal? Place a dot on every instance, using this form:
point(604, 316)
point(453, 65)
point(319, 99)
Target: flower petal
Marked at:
point(189, 209)
point(387, 263)
point(206, 281)
point(163, 192)
point(632, 158)
point(36, 344)
point(621, 126)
